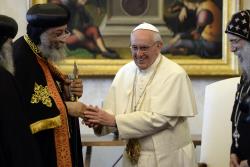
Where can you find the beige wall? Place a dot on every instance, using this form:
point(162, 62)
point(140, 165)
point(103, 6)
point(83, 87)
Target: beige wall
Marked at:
point(16, 9)
point(245, 4)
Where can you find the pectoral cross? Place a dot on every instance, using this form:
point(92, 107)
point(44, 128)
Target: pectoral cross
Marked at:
point(236, 136)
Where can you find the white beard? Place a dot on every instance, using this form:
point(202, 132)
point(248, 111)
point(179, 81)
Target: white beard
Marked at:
point(244, 57)
point(53, 52)
point(6, 57)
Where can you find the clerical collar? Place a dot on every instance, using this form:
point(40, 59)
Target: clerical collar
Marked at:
point(152, 67)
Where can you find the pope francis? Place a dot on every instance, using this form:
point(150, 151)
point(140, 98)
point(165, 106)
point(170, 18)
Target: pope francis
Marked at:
point(148, 104)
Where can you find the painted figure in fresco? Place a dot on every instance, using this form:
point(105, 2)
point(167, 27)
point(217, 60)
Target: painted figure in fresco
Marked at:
point(84, 33)
point(171, 17)
point(205, 39)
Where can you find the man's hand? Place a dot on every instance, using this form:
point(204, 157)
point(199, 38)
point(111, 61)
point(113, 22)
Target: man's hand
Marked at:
point(90, 124)
point(76, 109)
point(74, 87)
point(95, 116)
point(234, 161)
point(244, 163)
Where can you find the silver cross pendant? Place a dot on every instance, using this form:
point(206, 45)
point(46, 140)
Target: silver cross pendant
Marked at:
point(236, 136)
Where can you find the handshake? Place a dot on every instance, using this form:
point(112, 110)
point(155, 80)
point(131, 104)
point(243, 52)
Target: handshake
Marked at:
point(92, 116)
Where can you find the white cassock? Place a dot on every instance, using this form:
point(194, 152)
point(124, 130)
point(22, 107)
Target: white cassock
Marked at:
point(160, 120)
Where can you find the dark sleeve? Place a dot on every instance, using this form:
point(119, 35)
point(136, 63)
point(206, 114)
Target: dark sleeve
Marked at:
point(18, 147)
point(25, 67)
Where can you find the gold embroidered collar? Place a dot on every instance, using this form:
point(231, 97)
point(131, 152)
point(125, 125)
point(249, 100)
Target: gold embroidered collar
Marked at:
point(33, 46)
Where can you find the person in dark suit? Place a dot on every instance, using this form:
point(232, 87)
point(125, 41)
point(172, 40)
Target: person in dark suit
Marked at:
point(238, 35)
point(17, 145)
point(52, 117)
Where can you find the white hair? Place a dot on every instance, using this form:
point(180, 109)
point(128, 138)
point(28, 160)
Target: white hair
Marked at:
point(6, 57)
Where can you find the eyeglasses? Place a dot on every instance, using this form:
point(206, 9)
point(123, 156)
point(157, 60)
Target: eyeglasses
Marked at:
point(63, 35)
point(143, 48)
point(235, 41)
point(59, 34)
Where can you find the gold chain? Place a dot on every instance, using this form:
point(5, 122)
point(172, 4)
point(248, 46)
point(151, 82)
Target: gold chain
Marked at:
point(144, 90)
point(133, 147)
point(32, 45)
point(38, 53)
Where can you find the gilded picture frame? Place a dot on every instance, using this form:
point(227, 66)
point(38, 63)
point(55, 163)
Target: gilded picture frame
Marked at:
point(226, 66)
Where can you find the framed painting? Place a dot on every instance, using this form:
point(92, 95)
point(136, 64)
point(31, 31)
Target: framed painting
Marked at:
point(101, 29)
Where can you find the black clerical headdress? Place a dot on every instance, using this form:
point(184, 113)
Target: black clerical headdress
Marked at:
point(48, 15)
point(41, 17)
point(8, 28)
point(239, 25)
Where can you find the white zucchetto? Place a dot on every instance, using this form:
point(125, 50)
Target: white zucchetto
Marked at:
point(146, 26)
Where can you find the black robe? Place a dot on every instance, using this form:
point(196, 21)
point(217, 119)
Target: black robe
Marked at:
point(243, 103)
point(17, 145)
point(29, 72)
